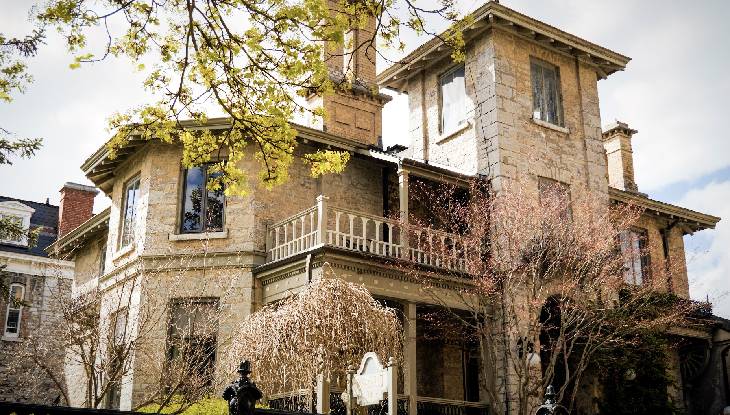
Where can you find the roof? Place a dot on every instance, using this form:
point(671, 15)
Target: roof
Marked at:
point(493, 15)
point(45, 217)
point(68, 243)
point(691, 220)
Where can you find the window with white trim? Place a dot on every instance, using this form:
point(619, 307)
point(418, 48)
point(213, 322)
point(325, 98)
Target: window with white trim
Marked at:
point(18, 215)
point(14, 311)
point(129, 214)
point(546, 97)
point(453, 99)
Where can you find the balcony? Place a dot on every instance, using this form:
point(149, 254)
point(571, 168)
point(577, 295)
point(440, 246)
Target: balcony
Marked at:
point(349, 230)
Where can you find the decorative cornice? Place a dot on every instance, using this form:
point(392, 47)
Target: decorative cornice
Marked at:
point(493, 15)
point(692, 219)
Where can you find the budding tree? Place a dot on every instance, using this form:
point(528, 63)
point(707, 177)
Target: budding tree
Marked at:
point(547, 283)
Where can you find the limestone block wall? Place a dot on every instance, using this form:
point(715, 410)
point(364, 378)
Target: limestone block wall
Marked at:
point(87, 261)
point(501, 139)
point(42, 295)
point(677, 282)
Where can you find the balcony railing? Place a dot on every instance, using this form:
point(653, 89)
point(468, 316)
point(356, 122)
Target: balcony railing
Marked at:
point(356, 231)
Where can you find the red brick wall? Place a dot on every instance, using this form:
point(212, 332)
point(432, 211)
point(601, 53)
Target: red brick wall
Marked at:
point(76, 207)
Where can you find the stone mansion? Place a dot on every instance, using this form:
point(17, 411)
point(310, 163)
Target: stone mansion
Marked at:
point(524, 89)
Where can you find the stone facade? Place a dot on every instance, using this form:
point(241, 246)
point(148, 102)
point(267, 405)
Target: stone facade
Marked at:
point(500, 139)
point(44, 283)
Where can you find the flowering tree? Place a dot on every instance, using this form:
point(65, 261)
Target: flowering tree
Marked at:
point(323, 329)
point(252, 61)
point(548, 292)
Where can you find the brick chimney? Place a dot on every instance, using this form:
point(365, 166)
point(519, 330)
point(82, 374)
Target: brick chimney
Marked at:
point(77, 205)
point(354, 110)
point(620, 156)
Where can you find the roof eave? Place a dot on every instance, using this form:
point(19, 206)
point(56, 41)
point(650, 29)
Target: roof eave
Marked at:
point(493, 15)
point(694, 220)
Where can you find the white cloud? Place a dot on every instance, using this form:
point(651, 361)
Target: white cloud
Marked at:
point(708, 252)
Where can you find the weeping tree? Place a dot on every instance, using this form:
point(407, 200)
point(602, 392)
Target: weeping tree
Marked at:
point(323, 329)
point(550, 285)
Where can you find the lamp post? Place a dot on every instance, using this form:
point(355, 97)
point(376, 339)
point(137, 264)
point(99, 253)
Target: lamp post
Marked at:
point(550, 407)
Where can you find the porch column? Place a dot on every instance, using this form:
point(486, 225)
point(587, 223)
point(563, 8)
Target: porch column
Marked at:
point(321, 219)
point(409, 376)
point(403, 205)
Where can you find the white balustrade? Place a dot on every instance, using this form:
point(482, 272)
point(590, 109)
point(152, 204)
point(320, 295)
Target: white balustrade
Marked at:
point(356, 231)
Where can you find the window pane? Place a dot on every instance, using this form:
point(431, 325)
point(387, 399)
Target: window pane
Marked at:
point(193, 202)
point(130, 212)
point(11, 326)
point(537, 91)
point(551, 96)
point(214, 207)
point(453, 100)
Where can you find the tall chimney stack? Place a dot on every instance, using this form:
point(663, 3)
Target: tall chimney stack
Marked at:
point(620, 156)
point(77, 205)
point(354, 109)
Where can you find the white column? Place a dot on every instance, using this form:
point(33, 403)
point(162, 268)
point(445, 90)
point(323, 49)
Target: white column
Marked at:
point(409, 377)
point(403, 205)
point(321, 219)
point(392, 387)
point(323, 395)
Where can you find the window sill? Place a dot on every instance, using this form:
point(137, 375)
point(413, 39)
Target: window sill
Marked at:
point(551, 126)
point(454, 132)
point(11, 339)
point(124, 251)
point(198, 236)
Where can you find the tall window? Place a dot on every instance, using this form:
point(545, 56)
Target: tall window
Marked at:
point(129, 214)
point(453, 99)
point(14, 311)
point(636, 256)
point(192, 338)
point(116, 358)
point(546, 99)
point(202, 209)
point(557, 195)
point(102, 259)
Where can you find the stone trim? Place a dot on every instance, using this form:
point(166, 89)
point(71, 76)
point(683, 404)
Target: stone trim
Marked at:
point(550, 126)
point(454, 132)
point(197, 236)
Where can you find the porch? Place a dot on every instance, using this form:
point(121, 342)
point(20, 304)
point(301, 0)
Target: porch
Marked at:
point(350, 230)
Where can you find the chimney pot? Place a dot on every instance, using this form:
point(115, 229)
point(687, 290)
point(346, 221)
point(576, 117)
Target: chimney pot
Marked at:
point(76, 207)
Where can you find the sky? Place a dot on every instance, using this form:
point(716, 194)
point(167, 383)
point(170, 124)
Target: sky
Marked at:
point(674, 92)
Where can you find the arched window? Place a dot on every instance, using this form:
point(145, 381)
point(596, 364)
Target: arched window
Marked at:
point(15, 307)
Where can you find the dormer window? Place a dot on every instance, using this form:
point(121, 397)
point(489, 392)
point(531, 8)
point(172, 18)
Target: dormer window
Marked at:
point(453, 99)
point(547, 104)
point(18, 215)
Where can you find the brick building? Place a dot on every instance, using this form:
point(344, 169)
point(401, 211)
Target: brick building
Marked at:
point(523, 106)
point(35, 280)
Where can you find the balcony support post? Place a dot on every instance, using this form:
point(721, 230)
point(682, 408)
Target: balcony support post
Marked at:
point(403, 205)
point(323, 395)
point(321, 219)
point(410, 379)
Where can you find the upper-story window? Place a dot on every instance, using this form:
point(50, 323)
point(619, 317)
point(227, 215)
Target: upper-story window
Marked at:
point(636, 256)
point(19, 216)
point(14, 311)
point(129, 214)
point(102, 259)
point(453, 99)
point(546, 98)
point(202, 209)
